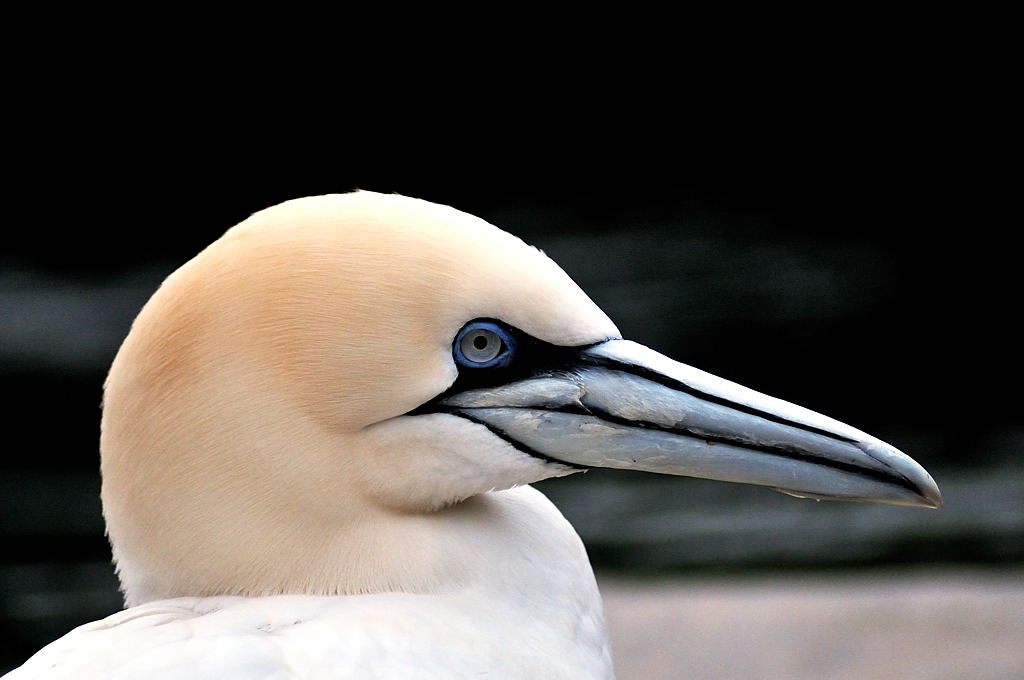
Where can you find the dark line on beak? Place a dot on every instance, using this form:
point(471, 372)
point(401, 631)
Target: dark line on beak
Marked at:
point(672, 383)
point(790, 452)
point(504, 436)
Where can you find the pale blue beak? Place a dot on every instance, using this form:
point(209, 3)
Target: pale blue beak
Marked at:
point(622, 405)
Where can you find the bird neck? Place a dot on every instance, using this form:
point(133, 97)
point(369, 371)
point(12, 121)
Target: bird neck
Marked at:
point(512, 546)
point(507, 557)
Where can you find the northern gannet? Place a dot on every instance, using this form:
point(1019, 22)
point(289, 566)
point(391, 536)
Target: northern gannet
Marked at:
point(317, 441)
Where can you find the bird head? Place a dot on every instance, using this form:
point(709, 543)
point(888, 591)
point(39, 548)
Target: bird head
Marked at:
point(338, 357)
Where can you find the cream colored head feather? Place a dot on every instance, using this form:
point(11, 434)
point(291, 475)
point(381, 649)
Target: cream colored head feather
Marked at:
point(253, 421)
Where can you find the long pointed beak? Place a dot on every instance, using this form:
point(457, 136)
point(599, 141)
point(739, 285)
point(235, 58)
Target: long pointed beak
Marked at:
point(622, 405)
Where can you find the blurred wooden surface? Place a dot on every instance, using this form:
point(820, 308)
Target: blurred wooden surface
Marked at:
point(934, 625)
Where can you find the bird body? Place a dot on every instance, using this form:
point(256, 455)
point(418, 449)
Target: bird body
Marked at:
point(317, 437)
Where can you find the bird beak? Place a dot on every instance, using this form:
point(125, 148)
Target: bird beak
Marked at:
point(621, 405)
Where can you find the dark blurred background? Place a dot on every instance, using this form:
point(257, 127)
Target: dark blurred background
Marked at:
point(834, 266)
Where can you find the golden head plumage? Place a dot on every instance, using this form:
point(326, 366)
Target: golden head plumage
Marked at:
point(246, 386)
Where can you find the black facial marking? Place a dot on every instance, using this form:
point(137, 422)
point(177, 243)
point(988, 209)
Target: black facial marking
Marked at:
point(533, 358)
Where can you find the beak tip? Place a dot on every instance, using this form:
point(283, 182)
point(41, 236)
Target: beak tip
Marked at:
point(932, 497)
point(927, 489)
point(911, 476)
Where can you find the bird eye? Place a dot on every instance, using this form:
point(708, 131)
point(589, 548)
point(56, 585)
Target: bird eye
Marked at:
point(483, 344)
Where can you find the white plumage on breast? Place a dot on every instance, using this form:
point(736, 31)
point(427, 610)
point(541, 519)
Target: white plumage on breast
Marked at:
point(419, 637)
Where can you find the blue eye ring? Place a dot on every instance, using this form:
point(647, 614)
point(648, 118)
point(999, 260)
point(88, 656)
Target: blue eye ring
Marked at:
point(483, 344)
